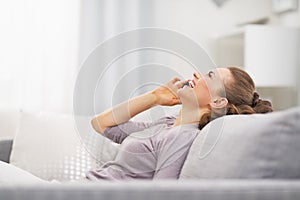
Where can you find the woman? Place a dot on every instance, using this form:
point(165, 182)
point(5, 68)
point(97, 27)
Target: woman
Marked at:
point(157, 150)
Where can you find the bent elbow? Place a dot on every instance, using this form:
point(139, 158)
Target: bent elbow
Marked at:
point(96, 125)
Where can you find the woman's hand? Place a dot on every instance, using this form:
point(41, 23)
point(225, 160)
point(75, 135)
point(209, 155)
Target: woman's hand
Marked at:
point(166, 95)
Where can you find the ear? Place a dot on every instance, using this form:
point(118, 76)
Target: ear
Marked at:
point(219, 103)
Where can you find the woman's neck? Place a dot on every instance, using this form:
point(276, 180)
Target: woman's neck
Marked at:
point(189, 116)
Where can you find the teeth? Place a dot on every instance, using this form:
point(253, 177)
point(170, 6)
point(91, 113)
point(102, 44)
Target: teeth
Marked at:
point(191, 84)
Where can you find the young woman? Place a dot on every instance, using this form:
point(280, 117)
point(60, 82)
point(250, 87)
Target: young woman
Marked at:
point(157, 150)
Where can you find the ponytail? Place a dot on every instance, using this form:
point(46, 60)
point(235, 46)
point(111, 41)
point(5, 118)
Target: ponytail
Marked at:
point(261, 106)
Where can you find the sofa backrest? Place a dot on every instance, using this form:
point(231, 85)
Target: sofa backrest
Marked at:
point(247, 146)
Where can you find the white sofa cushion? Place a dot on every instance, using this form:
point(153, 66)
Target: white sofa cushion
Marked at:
point(49, 146)
point(9, 120)
point(12, 175)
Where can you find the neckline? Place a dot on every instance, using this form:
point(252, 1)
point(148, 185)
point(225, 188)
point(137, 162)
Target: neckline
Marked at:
point(183, 125)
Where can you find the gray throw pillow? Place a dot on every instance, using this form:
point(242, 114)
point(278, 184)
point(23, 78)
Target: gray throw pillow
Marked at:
point(247, 146)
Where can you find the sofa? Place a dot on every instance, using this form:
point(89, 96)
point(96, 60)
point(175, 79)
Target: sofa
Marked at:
point(234, 157)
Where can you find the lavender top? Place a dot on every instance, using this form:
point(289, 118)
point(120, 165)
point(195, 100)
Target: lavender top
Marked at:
point(148, 150)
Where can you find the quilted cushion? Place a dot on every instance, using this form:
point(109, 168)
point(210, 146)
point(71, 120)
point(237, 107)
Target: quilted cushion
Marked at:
point(53, 147)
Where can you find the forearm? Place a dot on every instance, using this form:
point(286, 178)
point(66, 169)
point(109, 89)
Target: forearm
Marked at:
point(123, 112)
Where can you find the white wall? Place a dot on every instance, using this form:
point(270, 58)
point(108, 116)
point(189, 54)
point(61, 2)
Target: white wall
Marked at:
point(39, 54)
point(32, 38)
point(201, 20)
point(198, 19)
point(291, 19)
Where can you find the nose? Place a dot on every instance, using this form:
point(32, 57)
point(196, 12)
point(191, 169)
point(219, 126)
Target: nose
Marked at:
point(197, 75)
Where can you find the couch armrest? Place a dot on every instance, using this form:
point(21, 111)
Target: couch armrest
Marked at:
point(5, 150)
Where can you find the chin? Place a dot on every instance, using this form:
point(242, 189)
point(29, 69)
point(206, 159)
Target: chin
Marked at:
point(187, 97)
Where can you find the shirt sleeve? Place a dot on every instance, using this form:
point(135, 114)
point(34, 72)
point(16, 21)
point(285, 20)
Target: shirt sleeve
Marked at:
point(119, 132)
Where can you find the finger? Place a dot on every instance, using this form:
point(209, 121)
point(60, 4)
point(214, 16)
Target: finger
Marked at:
point(176, 101)
point(174, 80)
point(180, 84)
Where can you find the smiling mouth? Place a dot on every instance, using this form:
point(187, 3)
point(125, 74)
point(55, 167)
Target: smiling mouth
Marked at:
point(192, 84)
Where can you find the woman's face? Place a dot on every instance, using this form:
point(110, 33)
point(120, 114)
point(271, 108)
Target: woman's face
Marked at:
point(205, 88)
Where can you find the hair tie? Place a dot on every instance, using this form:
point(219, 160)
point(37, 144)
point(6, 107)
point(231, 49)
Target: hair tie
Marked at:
point(255, 99)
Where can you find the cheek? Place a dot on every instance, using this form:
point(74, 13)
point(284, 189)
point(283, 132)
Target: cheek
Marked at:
point(203, 95)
